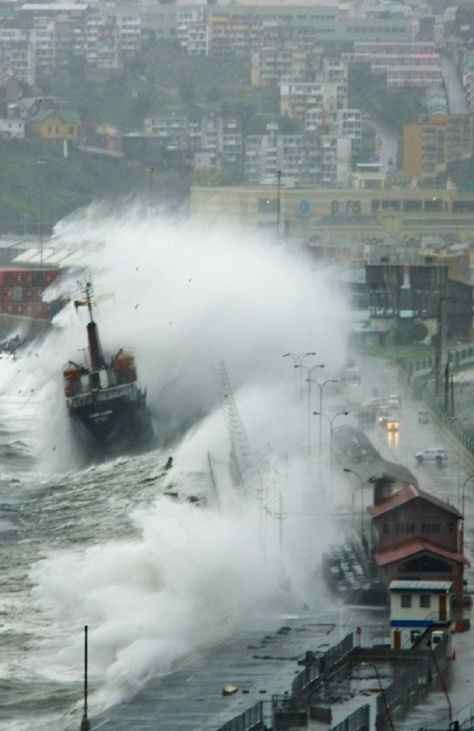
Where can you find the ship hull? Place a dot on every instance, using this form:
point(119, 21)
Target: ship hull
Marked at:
point(113, 427)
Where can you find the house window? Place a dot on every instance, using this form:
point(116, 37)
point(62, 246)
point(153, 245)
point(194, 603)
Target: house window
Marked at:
point(71, 129)
point(430, 528)
point(405, 601)
point(425, 601)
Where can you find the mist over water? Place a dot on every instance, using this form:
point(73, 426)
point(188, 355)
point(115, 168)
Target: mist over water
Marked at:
point(180, 576)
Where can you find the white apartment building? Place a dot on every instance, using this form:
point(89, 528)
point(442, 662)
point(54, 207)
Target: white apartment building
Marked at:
point(344, 122)
point(195, 39)
point(192, 31)
point(129, 34)
point(53, 33)
point(223, 137)
point(101, 43)
point(297, 97)
point(17, 54)
point(304, 159)
point(336, 155)
point(13, 129)
point(468, 84)
point(174, 131)
point(274, 64)
point(410, 64)
point(43, 39)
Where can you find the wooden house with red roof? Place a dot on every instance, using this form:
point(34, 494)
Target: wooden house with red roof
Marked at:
point(416, 536)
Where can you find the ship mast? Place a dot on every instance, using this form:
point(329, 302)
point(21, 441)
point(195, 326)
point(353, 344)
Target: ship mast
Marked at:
point(95, 351)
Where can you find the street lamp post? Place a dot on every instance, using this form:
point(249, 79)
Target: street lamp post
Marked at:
point(441, 360)
point(298, 359)
point(278, 210)
point(331, 420)
point(309, 381)
point(321, 389)
point(353, 472)
point(150, 170)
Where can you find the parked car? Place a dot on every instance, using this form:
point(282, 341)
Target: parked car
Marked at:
point(394, 401)
point(423, 417)
point(432, 454)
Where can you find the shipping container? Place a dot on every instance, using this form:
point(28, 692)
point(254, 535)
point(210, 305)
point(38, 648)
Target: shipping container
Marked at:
point(21, 292)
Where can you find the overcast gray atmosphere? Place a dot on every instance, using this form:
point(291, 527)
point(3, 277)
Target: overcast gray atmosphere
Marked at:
point(237, 365)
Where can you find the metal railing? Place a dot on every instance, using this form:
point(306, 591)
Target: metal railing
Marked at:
point(323, 665)
point(407, 688)
point(359, 720)
point(251, 719)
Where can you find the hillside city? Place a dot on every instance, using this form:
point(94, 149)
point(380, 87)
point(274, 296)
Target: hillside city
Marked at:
point(369, 95)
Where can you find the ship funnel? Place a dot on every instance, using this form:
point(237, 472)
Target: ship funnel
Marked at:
point(94, 346)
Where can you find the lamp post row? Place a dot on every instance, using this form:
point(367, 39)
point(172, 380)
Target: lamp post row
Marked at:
point(298, 359)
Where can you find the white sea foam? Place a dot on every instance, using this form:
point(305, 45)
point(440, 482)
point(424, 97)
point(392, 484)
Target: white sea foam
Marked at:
point(185, 299)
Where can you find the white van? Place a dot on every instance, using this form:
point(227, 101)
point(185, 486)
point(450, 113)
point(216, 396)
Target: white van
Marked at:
point(433, 454)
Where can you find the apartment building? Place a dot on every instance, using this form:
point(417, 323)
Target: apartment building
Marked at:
point(173, 130)
point(240, 29)
point(297, 97)
point(468, 84)
point(415, 64)
point(428, 147)
point(193, 31)
point(215, 140)
point(12, 129)
point(101, 43)
point(295, 156)
point(43, 38)
point(17, 54)
point(303, 160)
point(272, 64)
point(222, 138)
point(48, 35)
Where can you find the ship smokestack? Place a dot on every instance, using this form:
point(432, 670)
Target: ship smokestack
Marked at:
point(94, 346)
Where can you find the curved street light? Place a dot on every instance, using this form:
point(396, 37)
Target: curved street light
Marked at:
point(321, 389)
point(331, 420)
point(309, 381)
point(297, 359)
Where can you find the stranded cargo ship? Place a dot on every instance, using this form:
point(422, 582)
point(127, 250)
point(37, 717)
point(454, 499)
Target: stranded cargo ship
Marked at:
point(107, 408)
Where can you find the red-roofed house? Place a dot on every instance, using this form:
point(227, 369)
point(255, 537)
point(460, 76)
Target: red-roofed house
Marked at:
point(418, 537)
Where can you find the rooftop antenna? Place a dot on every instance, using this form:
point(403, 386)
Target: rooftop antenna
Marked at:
point(85, 723)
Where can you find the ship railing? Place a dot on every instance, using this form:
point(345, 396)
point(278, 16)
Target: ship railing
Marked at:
point(103, 394)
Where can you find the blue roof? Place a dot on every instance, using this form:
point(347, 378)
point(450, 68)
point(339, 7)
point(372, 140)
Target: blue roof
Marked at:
point(435, 587)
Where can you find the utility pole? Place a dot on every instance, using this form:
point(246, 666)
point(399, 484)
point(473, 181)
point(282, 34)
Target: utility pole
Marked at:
point(40, 164)
point(85, 724)
point(278, 211)
point(446, 387)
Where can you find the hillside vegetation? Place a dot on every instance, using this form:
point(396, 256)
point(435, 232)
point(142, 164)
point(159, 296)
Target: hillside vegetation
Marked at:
point(68, 183)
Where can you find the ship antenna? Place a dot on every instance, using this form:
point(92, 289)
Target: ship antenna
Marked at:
point(89, 299)
point(85, 724)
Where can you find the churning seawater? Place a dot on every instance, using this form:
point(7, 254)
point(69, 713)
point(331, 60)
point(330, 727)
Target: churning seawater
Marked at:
point(158, 578)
